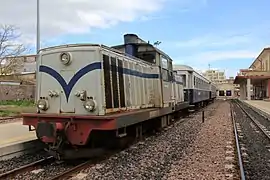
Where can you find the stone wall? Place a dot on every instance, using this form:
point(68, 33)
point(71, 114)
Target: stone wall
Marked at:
point(16, 92)
point(29, 77)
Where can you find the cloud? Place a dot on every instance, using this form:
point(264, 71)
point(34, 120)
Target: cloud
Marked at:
point(212, 56)
point(214, 41)
point(200, 61)
point(208, 48)
point(60, 17)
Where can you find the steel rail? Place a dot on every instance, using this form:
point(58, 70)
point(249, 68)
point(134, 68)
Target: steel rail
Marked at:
point(240, 163)
point(10, 117)
point(253, 120)
point(28, 167)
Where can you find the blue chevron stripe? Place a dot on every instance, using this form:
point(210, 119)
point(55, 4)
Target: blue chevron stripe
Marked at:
point(67, 87)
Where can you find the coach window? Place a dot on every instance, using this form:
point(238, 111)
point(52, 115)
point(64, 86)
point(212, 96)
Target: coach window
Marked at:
point(184, 80)
point(170, 65)
point(165, 72)
point(147, 56)
point(164, 63)
point(170, 78)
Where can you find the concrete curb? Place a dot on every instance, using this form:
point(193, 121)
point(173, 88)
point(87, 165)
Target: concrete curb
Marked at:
point(19, 149)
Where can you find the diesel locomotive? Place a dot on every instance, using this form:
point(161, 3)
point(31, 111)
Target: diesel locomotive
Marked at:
point(90, 96)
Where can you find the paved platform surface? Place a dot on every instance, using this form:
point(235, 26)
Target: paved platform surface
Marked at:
point(260, 104)
point(15, 132)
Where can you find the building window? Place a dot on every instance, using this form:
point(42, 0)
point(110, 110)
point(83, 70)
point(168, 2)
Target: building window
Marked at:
point(228, 93)
point(221, 93)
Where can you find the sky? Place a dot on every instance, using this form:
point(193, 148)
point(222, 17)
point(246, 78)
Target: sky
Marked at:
point(228, 35)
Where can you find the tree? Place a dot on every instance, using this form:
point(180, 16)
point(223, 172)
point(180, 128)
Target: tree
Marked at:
point(10, 49)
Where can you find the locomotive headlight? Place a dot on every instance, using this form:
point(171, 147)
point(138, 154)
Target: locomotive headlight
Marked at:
point(89, 105)
point(42, 104)
point(65, 58)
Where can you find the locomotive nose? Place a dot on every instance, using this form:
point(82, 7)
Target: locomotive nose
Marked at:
point(46, 131)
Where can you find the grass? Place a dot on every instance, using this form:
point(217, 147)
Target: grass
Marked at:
point(17, 103)
point(15, 108)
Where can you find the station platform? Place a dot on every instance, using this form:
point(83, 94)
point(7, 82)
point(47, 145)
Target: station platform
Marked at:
point(15, 132)
point(263, 106)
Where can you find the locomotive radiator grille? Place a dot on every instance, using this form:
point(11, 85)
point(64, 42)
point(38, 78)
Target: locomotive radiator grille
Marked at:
point(114, 83)
point(121, 83)
point(107, 81)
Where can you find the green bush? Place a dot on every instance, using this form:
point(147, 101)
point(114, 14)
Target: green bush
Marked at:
point(6, 113)
point(17, 103)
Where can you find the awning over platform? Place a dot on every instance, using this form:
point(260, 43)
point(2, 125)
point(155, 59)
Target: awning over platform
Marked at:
point(241, 79)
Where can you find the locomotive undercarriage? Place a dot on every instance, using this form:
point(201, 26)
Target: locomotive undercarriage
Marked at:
point(59, 146)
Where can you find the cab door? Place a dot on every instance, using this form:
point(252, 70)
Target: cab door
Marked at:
point(166, 82)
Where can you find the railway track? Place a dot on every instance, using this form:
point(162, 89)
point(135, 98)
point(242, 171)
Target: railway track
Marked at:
point(239, 154)
point(65, 173)
point(70, 172)
point(29, 167)
point(253, 134)
point(9, 119)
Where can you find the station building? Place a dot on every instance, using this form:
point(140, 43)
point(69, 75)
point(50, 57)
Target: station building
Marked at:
point(214, 75)
point(255, 81)
point(226, 89)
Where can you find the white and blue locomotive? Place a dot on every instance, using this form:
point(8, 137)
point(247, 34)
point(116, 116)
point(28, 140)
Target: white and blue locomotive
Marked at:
point(90, 96)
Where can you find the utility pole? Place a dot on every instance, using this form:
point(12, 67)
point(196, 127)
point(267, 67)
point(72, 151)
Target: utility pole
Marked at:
point(37, 50)
point(38, 29)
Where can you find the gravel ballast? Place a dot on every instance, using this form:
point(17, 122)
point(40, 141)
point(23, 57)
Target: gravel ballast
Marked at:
point(189, 149)
point(16, 162)
point(211, 155)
